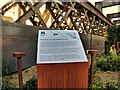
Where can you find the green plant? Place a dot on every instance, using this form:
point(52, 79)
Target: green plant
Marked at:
point(95, 69)
point(31, 84)
point(113, 35)
point(109, 63)
point(8, 64)
point(112, 85)
point(6, 85)
point(97, 84)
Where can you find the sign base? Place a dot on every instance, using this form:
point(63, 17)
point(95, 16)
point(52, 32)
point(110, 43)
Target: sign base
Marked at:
point(63, 75)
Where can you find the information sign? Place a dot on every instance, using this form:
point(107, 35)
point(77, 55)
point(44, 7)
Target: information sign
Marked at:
point(60, 46)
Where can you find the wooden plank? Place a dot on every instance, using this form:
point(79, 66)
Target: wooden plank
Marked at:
point(29, 13)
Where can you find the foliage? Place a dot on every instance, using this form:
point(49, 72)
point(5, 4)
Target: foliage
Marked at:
point(8, 64)
point(31, 84)
point(6, 85)
point(112, 85)
point(109, 63)
point(113, 35)
point(97, 84)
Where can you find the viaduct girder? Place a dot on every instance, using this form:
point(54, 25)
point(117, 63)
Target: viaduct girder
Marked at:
point(113, 15)
point(116, 21)
point(81, 16)
point(109, 3)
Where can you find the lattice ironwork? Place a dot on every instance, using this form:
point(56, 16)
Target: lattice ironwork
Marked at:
point(62, 15)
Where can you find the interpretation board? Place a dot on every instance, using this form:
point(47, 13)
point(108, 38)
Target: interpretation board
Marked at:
point(61, 60)
point(60, 46)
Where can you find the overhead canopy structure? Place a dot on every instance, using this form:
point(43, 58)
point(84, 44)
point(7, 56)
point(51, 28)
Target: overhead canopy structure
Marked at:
point(82, 16)
point(116, 21)
point(113, 15)
point(106, 3)
point(109, 3)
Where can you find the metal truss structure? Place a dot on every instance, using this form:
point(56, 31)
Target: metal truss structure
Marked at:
point(81, 16)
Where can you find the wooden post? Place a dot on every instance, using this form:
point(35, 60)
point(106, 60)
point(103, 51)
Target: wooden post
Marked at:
point(114, 49)
point(92, 52)
point(118, 47)
point(19, 55)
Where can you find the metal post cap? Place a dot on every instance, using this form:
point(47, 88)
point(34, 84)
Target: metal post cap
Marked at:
point(19, 54)
point(92, 52)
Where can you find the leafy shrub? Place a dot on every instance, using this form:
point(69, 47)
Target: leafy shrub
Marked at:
point(111, 63)
point(97, 84)
point(6, 85)
point(112, 85)
point(94, 82)
point(113, 35)
point(31, 84)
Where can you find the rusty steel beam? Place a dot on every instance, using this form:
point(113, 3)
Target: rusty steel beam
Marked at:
point(113, 15)
point(95, 11)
